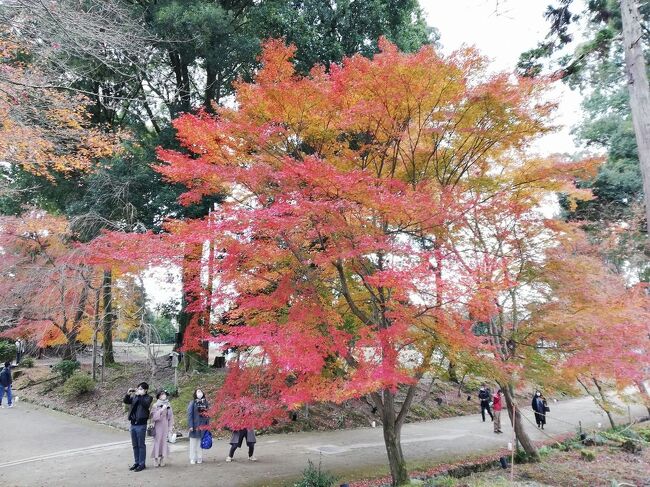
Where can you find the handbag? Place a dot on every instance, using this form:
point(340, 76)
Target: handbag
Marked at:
point(150, 430)
point(171, 437)
point(206, 441)
point(547, 409)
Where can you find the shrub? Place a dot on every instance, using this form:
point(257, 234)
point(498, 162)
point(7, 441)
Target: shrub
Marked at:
point(27, 362)
point(78, 384)
point(171, 389)
point(588, 455)
point(7, 351)
point(645, 434)
point(315, 477)
point(441, 481)
point(66, 368)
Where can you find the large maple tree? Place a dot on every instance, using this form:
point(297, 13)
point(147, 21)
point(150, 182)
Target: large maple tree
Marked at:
point(341, 241)
point(46, 284)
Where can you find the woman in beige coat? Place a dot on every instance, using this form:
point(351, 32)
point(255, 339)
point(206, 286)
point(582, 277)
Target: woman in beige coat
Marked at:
point(162, 418)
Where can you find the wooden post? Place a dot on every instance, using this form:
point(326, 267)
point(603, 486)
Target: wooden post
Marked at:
point(95, 354)
point(103, 367)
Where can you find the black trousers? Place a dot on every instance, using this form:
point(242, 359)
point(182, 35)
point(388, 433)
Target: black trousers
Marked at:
point(485, 406)
point(234, 446)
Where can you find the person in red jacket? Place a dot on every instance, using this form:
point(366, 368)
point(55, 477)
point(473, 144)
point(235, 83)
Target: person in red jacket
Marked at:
point(496, 409)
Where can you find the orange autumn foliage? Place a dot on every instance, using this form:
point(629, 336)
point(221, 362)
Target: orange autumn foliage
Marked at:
point(44, 130)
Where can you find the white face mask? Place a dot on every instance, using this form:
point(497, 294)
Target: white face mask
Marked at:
point(199, 395)
point(140, 391)
point(163, 397)
point(538, 394)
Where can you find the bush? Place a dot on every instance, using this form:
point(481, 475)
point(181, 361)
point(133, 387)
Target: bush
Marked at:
point(77, 385)
point(315, 477)
point(7, 351)
point(27, 362)
point(441, 481)
point(66, 368)
point(588, 455)
point(645, 434)
point(171, 389)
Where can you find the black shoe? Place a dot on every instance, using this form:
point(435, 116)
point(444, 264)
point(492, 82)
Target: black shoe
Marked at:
point(134, 466)
point(139, 468)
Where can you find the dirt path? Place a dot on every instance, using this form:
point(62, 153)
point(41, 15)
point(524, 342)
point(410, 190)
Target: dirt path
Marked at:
point(46, 448)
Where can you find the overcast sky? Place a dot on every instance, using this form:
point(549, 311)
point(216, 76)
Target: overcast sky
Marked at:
point(503, 29)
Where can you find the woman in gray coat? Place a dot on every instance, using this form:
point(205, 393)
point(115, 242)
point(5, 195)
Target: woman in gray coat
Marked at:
point(238, 438)
point(197, 419)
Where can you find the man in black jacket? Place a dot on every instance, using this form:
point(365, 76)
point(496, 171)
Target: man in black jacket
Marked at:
point(5, 384)
point(485, 396)
point(140, 403)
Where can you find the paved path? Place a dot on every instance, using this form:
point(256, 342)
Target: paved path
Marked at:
point(39, 447)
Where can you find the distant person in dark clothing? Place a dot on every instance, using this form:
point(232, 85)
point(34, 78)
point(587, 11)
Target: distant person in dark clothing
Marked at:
point(540, 406)
point(5, 384)
point(485, 396)
point(140, 402)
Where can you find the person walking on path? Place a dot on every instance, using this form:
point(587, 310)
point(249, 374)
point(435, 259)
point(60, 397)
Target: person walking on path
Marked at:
point(197, 419)
point(496, 407)
point(140, 402)
point(484, 396)
point(163, 423)
point(540, 407)
point(5, 384)
point(238, 438)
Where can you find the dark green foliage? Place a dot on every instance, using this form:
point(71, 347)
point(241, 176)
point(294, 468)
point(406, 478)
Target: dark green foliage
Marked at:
point(171, 389)
point(315, 477)
point(78, 384)
point(27, 362)
point(7, 352)
point(66, 368)
point(325, 32)
point(165, 329)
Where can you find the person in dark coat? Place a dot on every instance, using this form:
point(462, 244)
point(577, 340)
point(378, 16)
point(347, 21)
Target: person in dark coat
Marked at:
point(485, 397)
point(5, 385)
point(197, 420)
point(540, 406)
point(237, 439)
point(140, 402)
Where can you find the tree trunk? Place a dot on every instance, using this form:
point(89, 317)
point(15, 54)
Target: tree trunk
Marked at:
point(639, 90)
point(520, 433)
point(70, 351)
point(108, 320)
point(645, 393)
point(210, 88)
point(605, 402)
point(392, 437)
point(451, 370)
point(190, 272)
point(95, 332)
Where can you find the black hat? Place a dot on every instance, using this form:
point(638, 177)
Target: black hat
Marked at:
point(144, 385)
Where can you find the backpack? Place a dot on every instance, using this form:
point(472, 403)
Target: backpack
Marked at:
point(206, 441)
